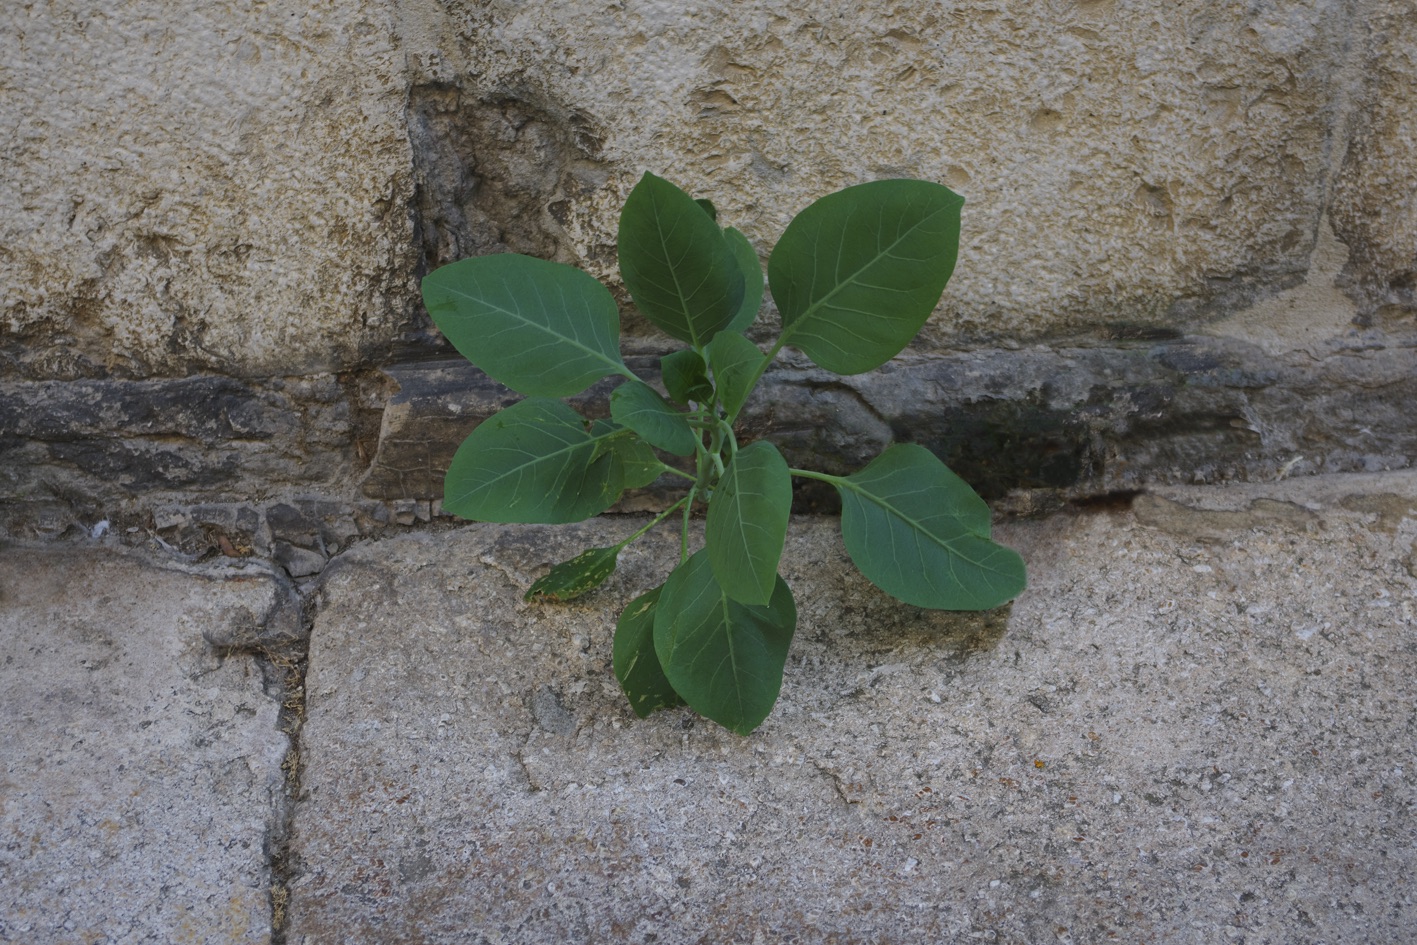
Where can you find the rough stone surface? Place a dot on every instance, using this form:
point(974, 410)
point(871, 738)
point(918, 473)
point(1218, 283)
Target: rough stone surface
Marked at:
point(1080, 420)
point(207, 187)
point(1124, 163)
point(140, 771)
point(1375, 205)
point(1196, 725)
point(201, 185)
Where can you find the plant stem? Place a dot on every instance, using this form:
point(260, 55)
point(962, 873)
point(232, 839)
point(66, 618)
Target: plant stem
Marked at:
point(679, 472)
point(657, 519)
point(758, 374)
point(823, 477)
point(684, 533)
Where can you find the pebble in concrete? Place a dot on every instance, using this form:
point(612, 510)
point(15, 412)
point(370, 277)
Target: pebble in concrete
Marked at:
point(1197, 725)
point(141, 770)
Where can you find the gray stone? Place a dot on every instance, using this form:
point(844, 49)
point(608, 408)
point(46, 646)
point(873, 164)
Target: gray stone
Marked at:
point(1079, 419)
point(1196, 724)
point(140, 770)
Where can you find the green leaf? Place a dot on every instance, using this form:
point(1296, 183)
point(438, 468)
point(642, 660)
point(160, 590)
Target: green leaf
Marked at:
point(536, 462)
point(570, 579)
point(676, 263)
point(708, 207)
point(920, 533)
point(685, 376)
point(725, 659)
point(753, 282)
point(735, 362)
point(539, 327)
point(636, 665)
point(857, 273)
point(747, 523)
point(637, 463)
point(636, 405)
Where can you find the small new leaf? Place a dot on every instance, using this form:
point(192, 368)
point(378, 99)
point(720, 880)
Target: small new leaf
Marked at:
point(686, 377)
point(735, 362)
point(570, 579)
point(636, 665)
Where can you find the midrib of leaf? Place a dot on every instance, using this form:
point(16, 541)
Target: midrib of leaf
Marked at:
point(616, 366)
point(539, 458)
point(789, 330)
point(674, 274)
point(882, 503)
point(914, 522)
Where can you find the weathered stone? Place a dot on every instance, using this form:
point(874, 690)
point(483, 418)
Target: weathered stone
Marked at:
point(202, 186)
point(141, 769)
point(1082, 420)
point(1125, 164)
point(1375, 201)
point(298, 562)
point(1197, 724)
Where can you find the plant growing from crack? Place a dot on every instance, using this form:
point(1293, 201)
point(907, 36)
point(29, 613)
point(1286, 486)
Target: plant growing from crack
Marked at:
point(854, 276)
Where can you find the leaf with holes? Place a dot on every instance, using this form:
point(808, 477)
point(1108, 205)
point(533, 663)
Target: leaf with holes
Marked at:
point(570, 579)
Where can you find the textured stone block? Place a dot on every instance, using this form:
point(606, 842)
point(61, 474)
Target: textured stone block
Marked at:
point(140, 769)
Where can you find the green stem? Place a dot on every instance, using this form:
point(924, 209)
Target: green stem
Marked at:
point(679, 472)
point(684, 533)
point(657, 519)
point(758, 374)
point(822, 477)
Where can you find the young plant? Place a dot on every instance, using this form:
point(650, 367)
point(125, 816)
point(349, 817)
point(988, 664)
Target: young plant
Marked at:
point(854, 276)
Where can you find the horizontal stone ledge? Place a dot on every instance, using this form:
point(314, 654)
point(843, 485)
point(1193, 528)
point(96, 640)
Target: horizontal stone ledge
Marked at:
point(1076, 420)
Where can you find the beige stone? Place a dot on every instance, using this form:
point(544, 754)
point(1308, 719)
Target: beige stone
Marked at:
point(210, 186)
point(1375, 206)
point(1133, 163)
point(201, 184)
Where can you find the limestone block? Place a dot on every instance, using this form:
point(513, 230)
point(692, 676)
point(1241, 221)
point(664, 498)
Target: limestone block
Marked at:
point(1375, 205)
point(140, 768)
point(1135, 163)
point(200, 184)
point(1197, 717)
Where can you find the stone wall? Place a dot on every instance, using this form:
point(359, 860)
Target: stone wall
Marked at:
point(1189, 252)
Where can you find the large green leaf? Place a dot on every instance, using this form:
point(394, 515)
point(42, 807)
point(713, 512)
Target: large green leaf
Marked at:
point(753, 282)
point(570, 579)
point(636, 665)
point(539, 327)
point(725, 659)
point(536, 462)
point(685, 376)
point(920, 533)
point(638, 406)
point(857, 273)
point(735, 362)
point(747, 522)
point(676, 263)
